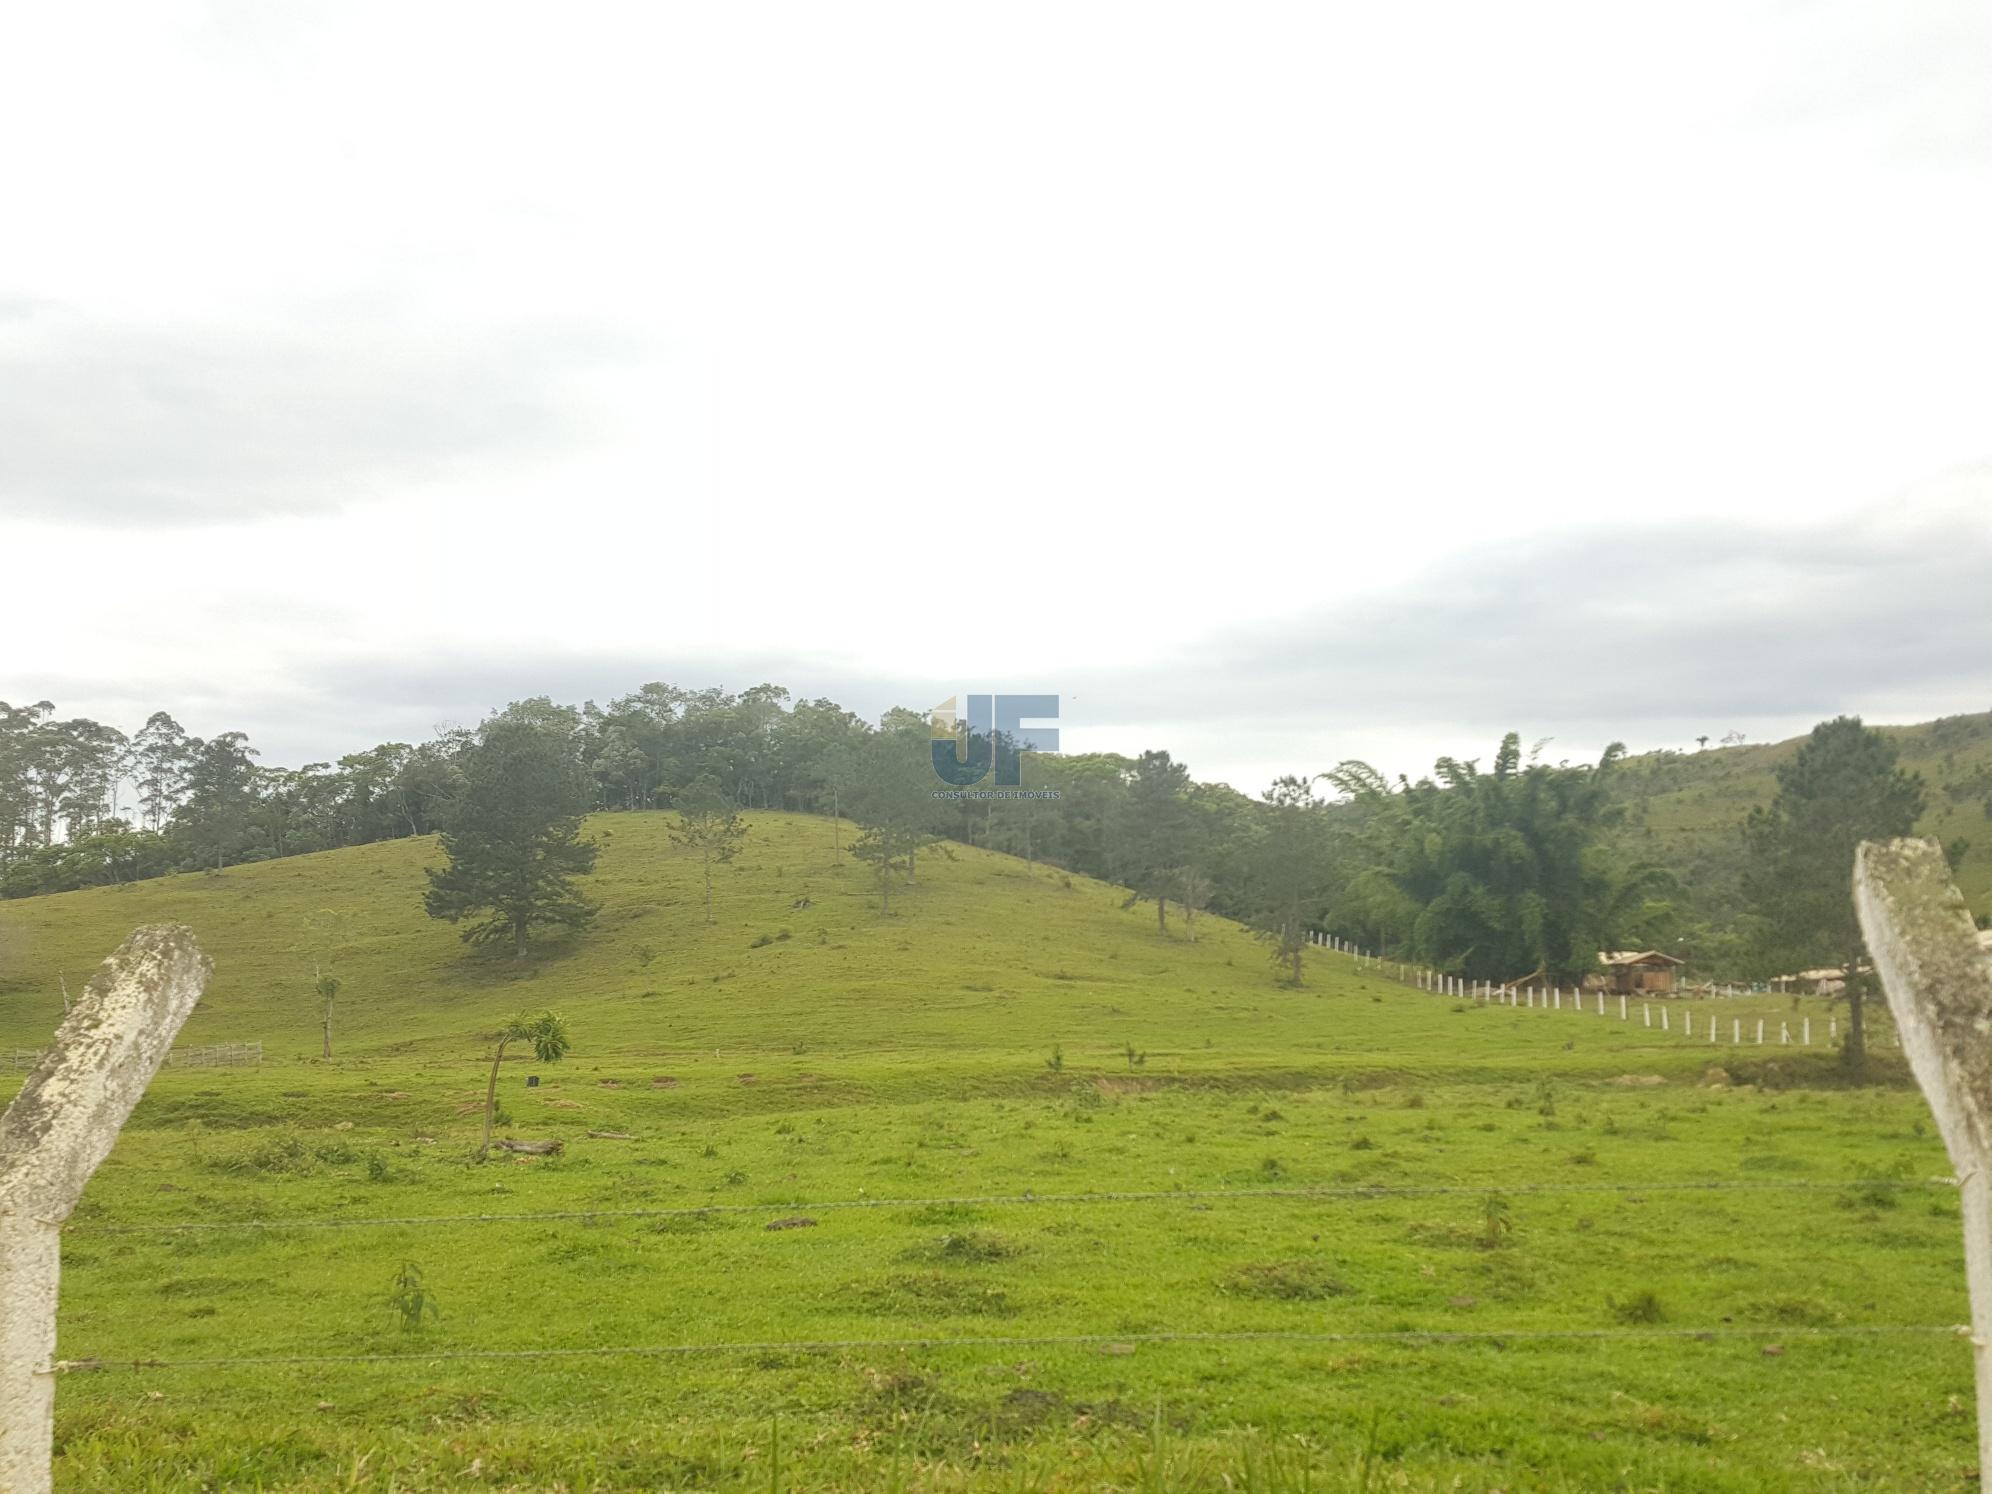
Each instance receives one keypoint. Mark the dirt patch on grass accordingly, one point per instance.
(918, 1294)
(700, 1223)
(1128, 1086)
(965, 1247)
(1284, 1281)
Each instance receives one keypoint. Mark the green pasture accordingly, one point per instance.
(1005, 1191)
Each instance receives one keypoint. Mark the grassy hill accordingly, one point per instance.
(990, 950)
(1687, 809)
(1004, 1191)
(987, 963)
(988, 959)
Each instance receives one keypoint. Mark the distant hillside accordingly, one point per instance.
(1687, 808)
(985, 952)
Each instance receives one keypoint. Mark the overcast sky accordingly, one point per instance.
(1276, 384)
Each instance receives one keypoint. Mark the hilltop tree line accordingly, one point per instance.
(1484, 872)
(82, 804)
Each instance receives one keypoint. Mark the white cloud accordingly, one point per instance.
(957, 347)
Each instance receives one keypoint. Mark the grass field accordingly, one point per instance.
(1085, 1209)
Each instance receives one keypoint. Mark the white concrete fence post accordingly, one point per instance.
(60, 1127)
(1939, 988)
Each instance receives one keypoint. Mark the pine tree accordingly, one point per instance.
(1287, 871)
(709, 823)
(513, 833)
(1842, 787)
(1152, 826)
(886, 783)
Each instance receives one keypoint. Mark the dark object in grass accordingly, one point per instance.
(529, 1148)
(799, 1222)
(1640, 1307)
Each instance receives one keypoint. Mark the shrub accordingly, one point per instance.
(1640, 1307)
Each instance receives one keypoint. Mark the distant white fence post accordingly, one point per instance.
(60, 1127)
(1939, 989)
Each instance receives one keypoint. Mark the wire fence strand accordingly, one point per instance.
(1033, 1340)
(1354, 1192)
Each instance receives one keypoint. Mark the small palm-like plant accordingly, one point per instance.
(326, 988)
(412, 1301)
(548, 1035)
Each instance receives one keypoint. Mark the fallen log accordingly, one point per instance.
(529, 1148)
(611, 1136)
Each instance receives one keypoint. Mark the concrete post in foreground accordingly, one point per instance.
(59, 1128)
(1939, 987)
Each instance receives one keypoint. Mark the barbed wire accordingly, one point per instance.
(1030, 1340)
(1356, 1192)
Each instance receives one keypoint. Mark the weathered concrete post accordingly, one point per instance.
(59, 1128)
(1940, 993)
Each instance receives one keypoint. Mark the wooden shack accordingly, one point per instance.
(1635, 972)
